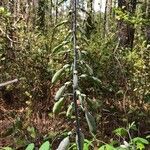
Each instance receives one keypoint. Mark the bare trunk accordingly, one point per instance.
(125, 30)
(148, 25)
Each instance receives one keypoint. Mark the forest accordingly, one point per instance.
(75, 75)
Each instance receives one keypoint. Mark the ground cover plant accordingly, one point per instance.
(111, 79)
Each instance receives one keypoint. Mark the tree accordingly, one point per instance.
(126, 30)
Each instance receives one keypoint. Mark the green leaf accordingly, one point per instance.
(45, 146)
(2, 10)
(140, 146)
(57, 75)
(148, 137)
(91, 122)
(64, 144)
(60, 92)
(59, 46)
(106, 147)
(140, 140)
(120, 132)
(61, 23)
(70, 110)
(89, 69)
(58, 105)
(98, 81)
(6, 148)
(32, 131)
(30, 146)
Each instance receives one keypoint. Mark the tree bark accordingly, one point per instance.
(125, 30)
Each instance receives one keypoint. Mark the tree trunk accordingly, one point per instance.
(148, 25)
(125, 30)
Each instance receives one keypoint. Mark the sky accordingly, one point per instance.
(97, 5)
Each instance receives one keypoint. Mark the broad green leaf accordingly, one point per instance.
(30, 146)
(6, 148)
(60, 92)
(140, 140)
(2, 10)
(57, 75)
(120, 132)
(140, 146)
(58, 105)
(64, 144)
(106, 147)
(45, 146)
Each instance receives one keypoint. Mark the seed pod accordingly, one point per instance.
(81, 141)
(60, 92)
(64, 144)
(57, 75)
(75, 81)
(57, 106)
(91, 122)
(70, 110)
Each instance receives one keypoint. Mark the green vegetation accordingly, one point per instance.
(112, 79)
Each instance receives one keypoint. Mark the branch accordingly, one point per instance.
(8, 82)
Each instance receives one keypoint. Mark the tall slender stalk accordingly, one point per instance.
(75, 71)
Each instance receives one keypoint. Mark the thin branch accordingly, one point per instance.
(8, 82)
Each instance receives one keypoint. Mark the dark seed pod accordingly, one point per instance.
(81, 141)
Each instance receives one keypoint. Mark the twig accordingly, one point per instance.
(8, 82)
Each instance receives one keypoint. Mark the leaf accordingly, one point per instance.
(60, 92)
(70, 110)
(59, 46)
(120, 132)
(45, 146)
(61, 23)
(140, 146)
(83, 76)
(57, 106)
(81, 141)
(90, 70)
(64, 144)
(140, 140)
(6, 148)
(148, 136)
(98, 81)
(106, 147)
(91, 122)
(57, 75)
(2, 10)
(32, 131)
(30, 146)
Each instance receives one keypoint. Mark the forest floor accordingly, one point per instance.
(14, 125)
